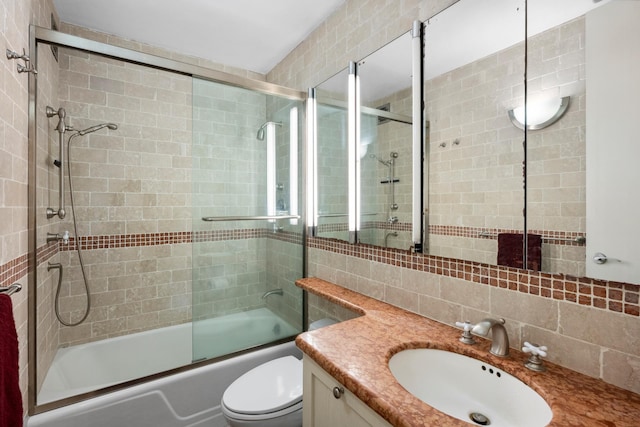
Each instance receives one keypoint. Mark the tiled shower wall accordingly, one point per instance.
(133, 194)
(15, 18)
(135, 180)
(48, 83)
(228, 274)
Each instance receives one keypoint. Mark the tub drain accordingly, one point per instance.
(479, 419)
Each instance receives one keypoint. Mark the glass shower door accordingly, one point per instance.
(247, 241)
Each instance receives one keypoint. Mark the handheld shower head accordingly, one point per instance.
(91, 129)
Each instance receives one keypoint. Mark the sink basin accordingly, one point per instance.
(468, 389)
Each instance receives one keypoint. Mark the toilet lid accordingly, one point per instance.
(269, 387)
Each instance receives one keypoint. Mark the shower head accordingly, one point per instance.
(384, 162)
(260, 134)
(91, 129)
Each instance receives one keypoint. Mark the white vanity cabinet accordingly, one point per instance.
(328, 404)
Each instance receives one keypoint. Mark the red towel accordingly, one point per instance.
(10, 395)
(510, 250)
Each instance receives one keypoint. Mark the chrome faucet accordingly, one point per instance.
(273, 292)
(499, 337)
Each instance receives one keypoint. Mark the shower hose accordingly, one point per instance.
(77, 240)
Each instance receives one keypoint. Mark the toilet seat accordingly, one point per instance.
(270, 390)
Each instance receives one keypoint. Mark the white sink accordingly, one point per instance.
(466, 388)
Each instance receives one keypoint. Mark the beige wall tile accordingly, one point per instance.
(575, 354)
(610, 330)
(622, 370)
(529, 309)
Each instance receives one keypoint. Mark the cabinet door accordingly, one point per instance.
(613, 88)
(322, 409)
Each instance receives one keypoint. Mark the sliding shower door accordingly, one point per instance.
(130, 153)
(247, 241)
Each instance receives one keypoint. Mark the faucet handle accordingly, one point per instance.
(535, 362)
(535, 349)
(466, 337)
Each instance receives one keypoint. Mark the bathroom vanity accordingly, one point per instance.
(328, 404)
(347, 380)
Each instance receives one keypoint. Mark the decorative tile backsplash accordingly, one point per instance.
(606, 295)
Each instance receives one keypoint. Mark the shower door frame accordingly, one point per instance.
(56, 38)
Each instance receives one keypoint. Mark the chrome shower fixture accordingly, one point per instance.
(91, 129)
(260, 134)
(61, 127)
(62, 114)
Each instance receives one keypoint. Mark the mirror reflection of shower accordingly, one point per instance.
(391, 180)
(62, 128)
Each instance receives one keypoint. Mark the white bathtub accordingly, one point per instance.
(186, 399)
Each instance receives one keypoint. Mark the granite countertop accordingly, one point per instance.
(356, 353)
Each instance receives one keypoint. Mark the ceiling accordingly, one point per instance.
(253, 35)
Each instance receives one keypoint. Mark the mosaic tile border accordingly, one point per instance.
(18, 268)
(14, 270)
(380, 225)
(565, 238)
(607, 295)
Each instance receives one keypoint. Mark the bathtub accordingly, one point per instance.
(187, 399)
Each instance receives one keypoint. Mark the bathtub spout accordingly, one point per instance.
(273, 292)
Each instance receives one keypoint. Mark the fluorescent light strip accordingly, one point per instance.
(293, 164)
(417, 129)
(351, 149)
(358, 146)
(311, 173)
(271, 170)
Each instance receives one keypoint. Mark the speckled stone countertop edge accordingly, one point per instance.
(356, 353)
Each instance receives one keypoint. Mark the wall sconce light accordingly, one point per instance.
(539, 114)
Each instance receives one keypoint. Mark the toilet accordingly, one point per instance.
(269, 395)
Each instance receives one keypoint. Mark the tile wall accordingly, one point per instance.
(15, 17)
(133, 181)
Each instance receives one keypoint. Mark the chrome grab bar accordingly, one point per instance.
(248, 218)
(335, 215)
(11, 289)
(581, 240)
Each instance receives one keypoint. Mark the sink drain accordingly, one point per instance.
(479, 419)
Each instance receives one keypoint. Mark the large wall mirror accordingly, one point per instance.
(330, 160)
(386, 145)
(581, 170)
(474, 73)
(368, 152)
(487, 159)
